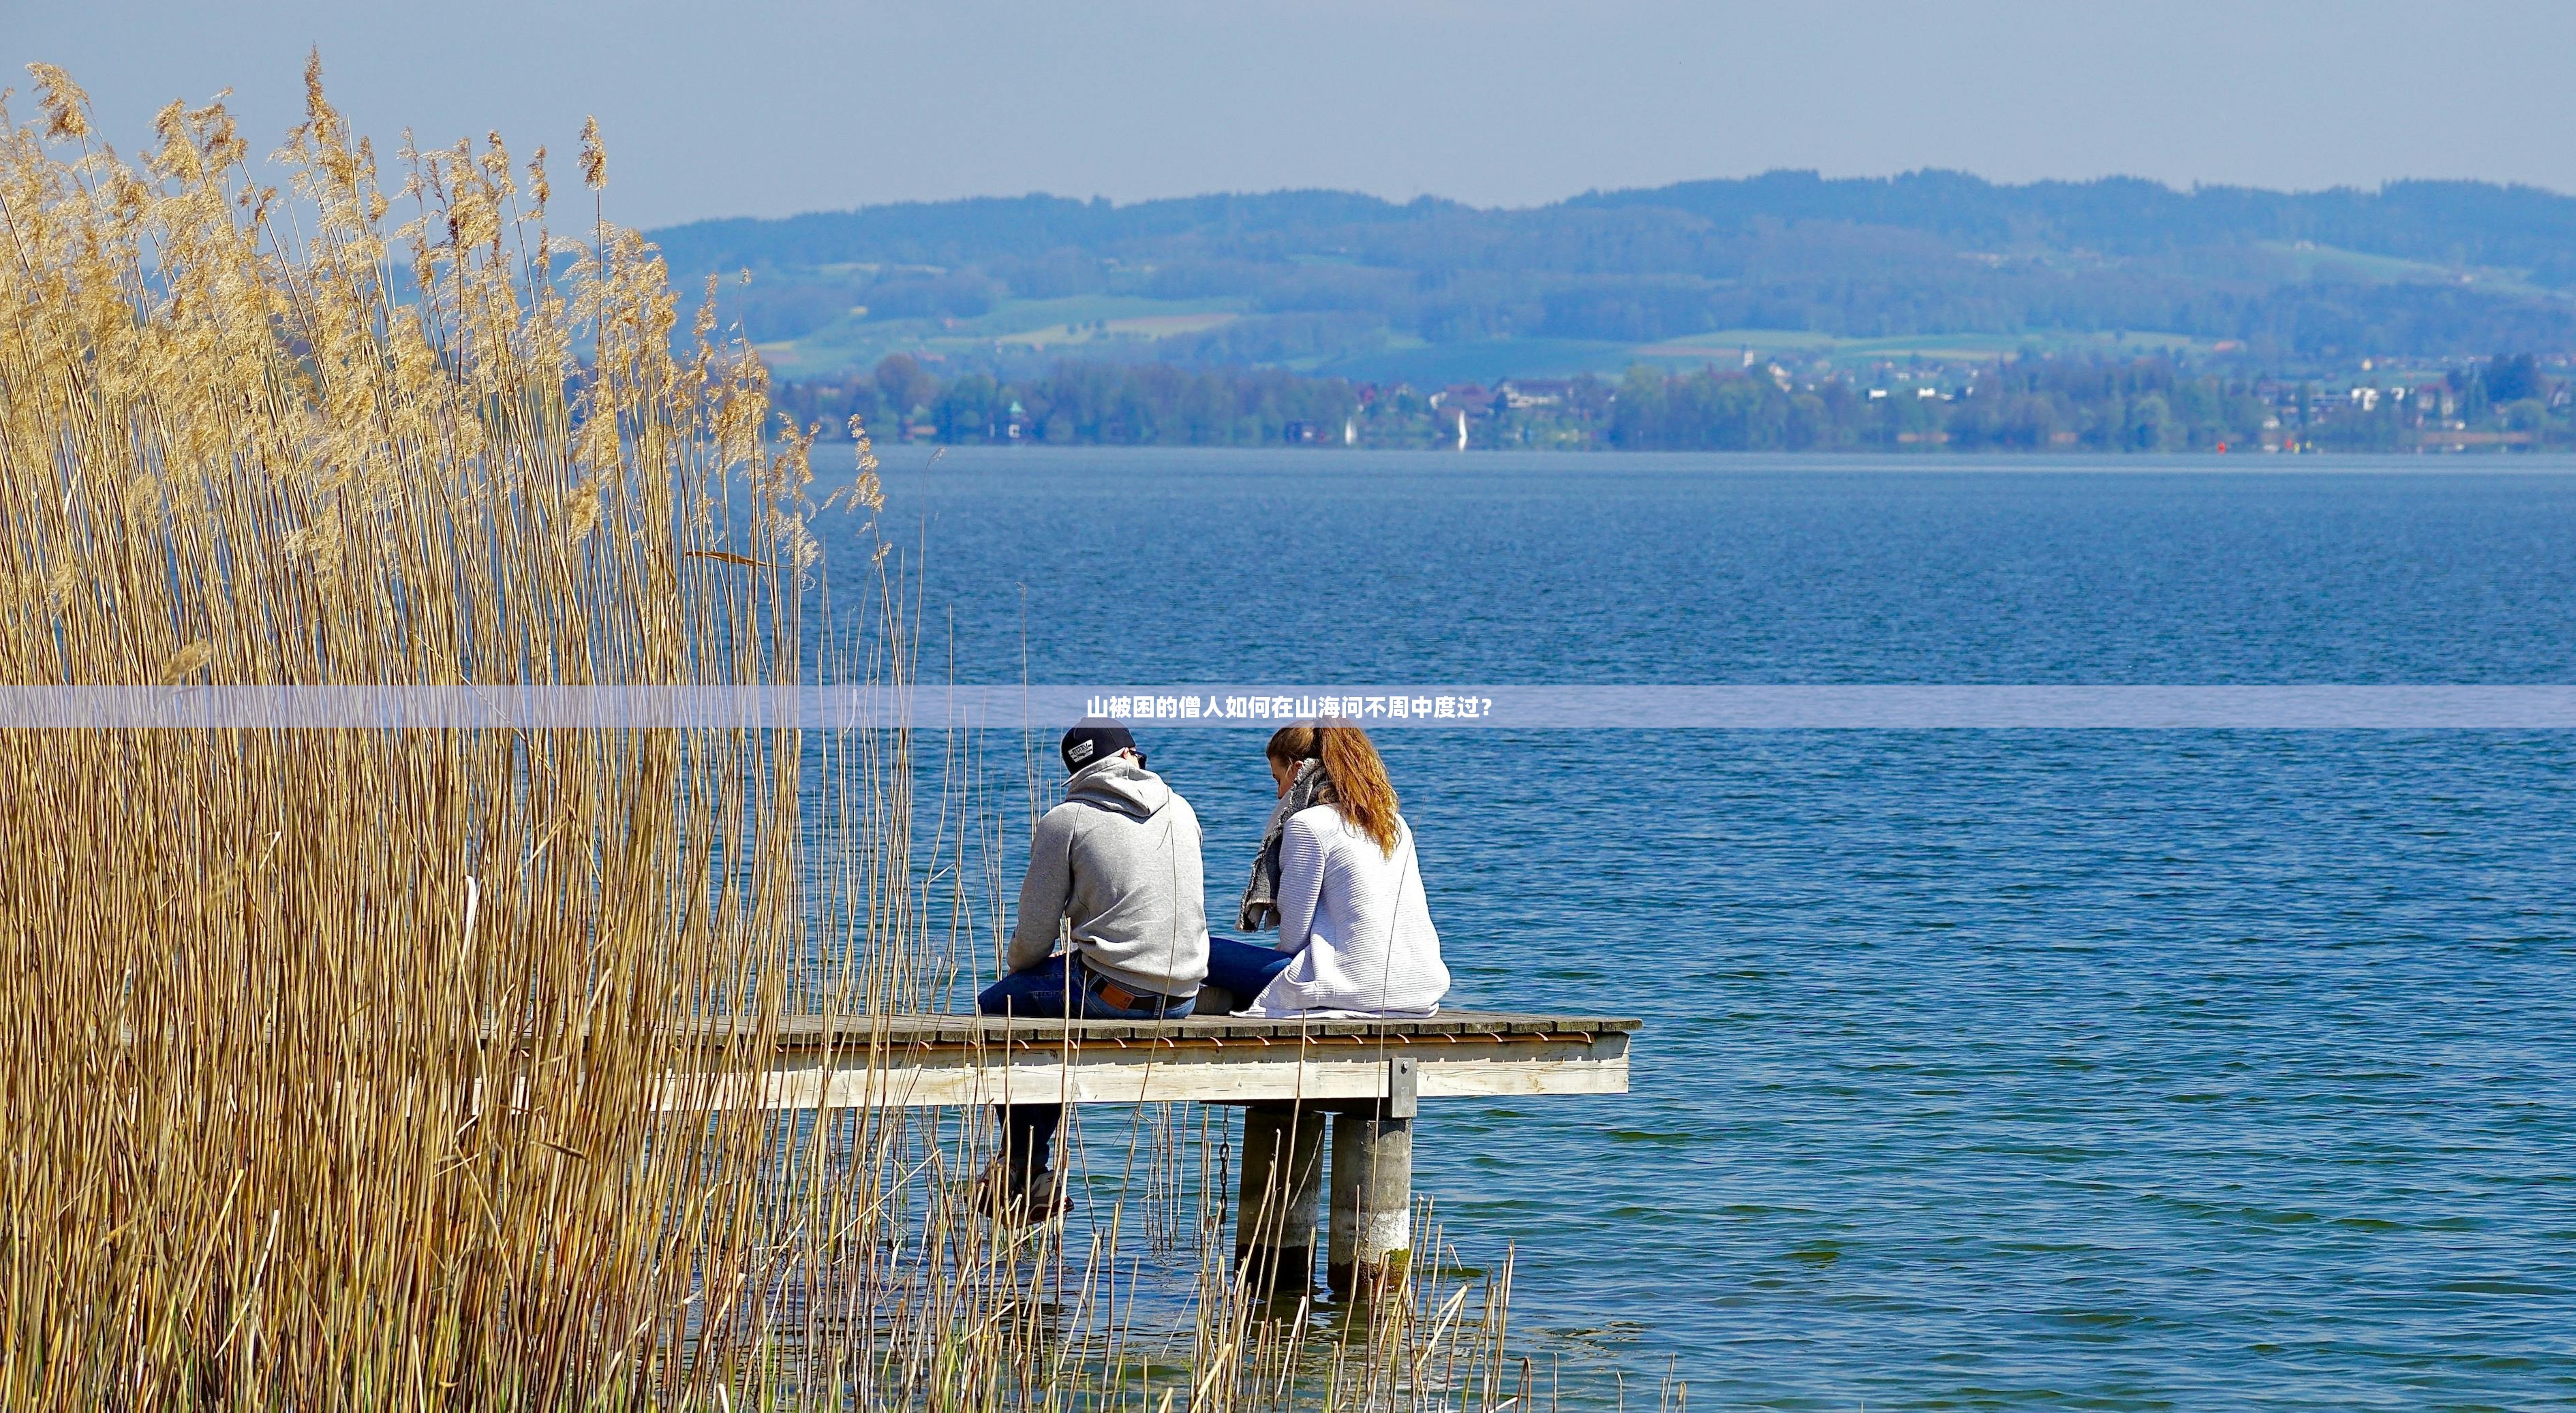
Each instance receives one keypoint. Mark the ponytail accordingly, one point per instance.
(1290, 745)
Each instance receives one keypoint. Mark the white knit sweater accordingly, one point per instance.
(1358, 922)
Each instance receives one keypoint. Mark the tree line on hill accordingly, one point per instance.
(1689, 227)
(2414, 269)
(2138, 405)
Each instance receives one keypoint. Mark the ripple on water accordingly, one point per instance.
(2032, 1068)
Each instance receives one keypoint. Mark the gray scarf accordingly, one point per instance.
(1308, 788)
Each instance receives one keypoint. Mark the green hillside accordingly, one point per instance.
(1931, 265)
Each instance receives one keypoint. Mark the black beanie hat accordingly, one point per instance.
(1092, 739)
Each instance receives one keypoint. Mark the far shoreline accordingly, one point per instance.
(909, 459)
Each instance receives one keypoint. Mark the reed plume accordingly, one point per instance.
(386, 1068)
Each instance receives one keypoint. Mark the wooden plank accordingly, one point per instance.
(794, 1033)
(1166, 1067)
(808, 1032)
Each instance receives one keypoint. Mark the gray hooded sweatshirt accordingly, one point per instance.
(1120, 857)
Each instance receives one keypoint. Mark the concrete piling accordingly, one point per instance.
(1282, 1184)
(1371, 1240)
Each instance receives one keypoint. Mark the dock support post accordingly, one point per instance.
(1372, 1231)
(1371, 1240)
(1281, 1186)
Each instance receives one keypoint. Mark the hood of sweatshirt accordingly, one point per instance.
(1121, 784)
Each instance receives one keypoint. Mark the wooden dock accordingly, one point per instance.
(922, 1061)
(1365, 1077)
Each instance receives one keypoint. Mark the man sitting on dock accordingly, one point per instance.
(1119, 862)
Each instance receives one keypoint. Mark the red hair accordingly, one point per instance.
(1361, 792)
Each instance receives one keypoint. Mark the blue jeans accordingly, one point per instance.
(1244, 967)
(1059, 988)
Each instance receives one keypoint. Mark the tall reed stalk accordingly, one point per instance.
(384, 1069)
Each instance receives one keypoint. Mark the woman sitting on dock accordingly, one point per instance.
(1337, 874)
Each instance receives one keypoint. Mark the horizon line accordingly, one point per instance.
(1431, 199)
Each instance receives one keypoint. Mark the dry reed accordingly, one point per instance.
(339, 1064)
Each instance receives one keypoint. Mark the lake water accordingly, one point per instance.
(2050, 1068)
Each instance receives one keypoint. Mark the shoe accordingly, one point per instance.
(990, 1191)
(1045, 1203)
(994, 1196)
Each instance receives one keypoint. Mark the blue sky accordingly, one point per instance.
(768, 109)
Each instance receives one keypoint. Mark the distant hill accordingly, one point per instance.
(1861, 267)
